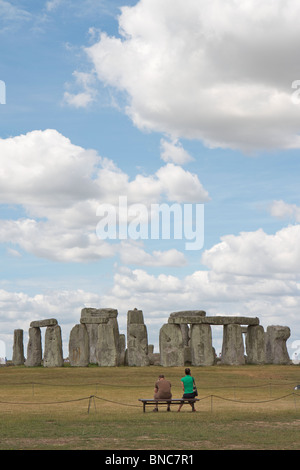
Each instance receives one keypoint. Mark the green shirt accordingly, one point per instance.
(188, 382)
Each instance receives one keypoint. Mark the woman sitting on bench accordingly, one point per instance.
(187, 383)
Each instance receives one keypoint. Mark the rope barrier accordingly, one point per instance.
(93, 397)
(86, 384)
(43, 403)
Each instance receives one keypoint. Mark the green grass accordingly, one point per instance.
(249, 407)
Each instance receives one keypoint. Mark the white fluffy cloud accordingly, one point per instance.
(283, 210)
(212, 70)
(257, 253)
(134, 251)
(60, 185)
(174, 152)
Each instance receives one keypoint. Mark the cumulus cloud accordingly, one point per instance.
(216, 71)
(134, 252)
(174, 152)
(256, 253)
(81, 99)
(283, 210)
(60, 185)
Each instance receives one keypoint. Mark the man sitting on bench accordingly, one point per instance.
(162, 390)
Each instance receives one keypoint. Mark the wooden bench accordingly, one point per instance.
(169, 401)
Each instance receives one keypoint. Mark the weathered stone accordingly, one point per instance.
(92, 331)
(233, 346)
(187, 354)
(185, 333)
(79, 346)
(53, 355)
(122, 348)
(218, 320)
(43, 323)
(92, 318)
(18, 348)
(188, 313)
(255, 345)
(34, 348)
(97, 315)
(276, 350)
(137, 345)
(135, 316)
(171, 345)
(154, 358)
(108, 352)
(137, 339)
(201, 345)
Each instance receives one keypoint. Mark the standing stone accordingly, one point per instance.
(171, 345)
(79, 346)
(154, 358)
(34, 348)
(53, 356)
(137, 339)
(122, 348)
(91, 318)
(233, 346)
(202, 353)
(108, 345)
(185, 330)
(18, 348)
(276, 350)
(255, 345)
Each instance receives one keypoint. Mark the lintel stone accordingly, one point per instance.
(215, 320)
(43, 323)
(188, 313)
(97, 315)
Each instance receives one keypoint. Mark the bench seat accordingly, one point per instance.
(166, 401)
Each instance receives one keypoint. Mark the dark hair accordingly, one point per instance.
(161, 376)
(187, 371)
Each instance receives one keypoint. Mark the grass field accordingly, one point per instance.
(240, 408)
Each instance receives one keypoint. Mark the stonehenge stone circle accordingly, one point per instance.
(186, 339)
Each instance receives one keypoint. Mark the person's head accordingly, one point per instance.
(161, 376)
(187, 371)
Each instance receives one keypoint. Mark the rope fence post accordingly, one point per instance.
(92, 397)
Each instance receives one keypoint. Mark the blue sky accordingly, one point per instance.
(158, 101)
